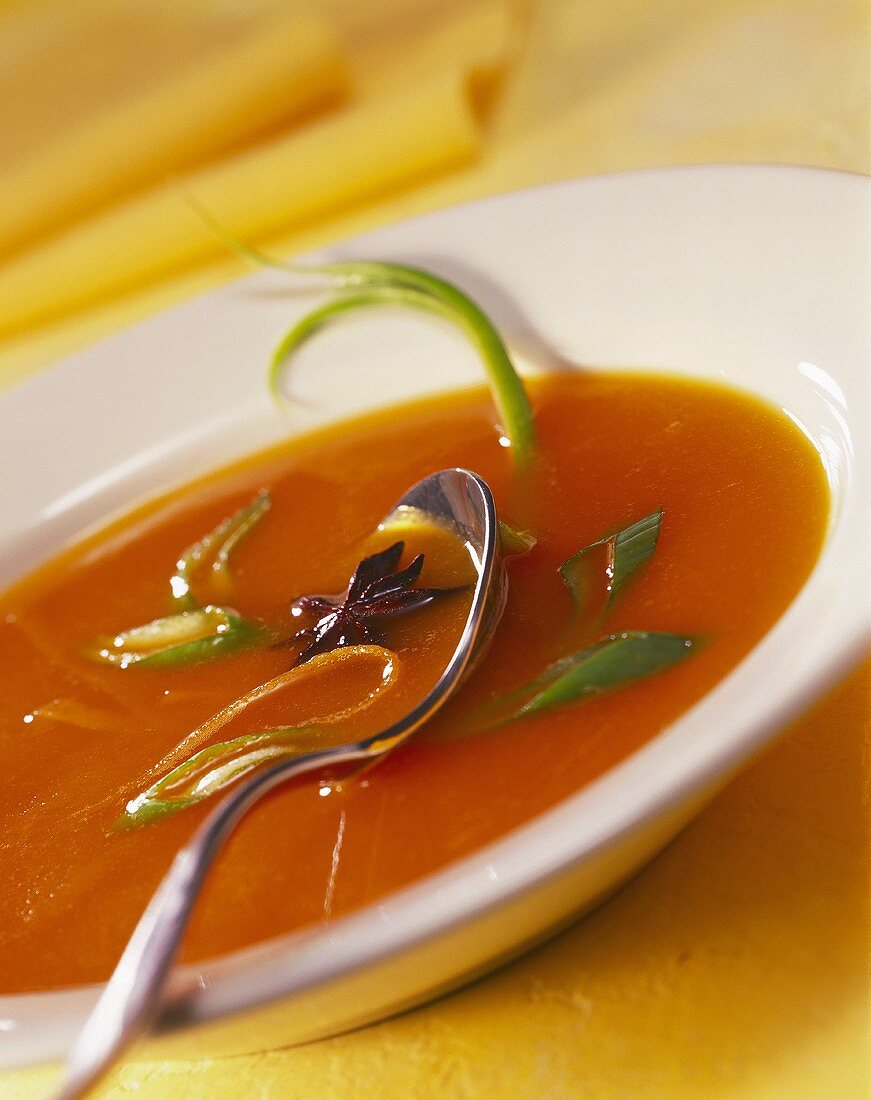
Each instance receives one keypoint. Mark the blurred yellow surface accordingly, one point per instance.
(372, 146)
(736, 965)
(289, 67)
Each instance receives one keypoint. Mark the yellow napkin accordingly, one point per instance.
(369, 148)
(275, 75)
(422, 77)
(412, 113)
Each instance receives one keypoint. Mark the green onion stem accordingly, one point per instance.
(370, 283)
(309, 324)
(449, 301)
(363, 283)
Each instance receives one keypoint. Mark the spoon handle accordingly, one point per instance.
(131, 1000)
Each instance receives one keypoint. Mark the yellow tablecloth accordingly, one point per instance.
(736, 964)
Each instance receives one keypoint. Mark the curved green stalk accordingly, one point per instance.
(363, 283)
(212, 553)
(368, 282)
(188, 637)
(308, 325)
(215, 768)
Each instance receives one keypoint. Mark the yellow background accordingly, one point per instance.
(736, 965)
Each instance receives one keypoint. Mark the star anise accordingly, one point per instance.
(376, 591)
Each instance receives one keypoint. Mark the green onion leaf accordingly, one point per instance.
(186, 638)
(612, 561)
(515, 542)
(207, 562)
(215, 768)
(368, 283)
(361, 283)
(347, 302)
(612, 663)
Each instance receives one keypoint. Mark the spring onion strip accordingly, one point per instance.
(186, 638)
(209, 559)
(515, 542)
(215, 768)
(362, 283)
(611, 663)
(309, 324)
(187, 783)
(398, 284)
(622, 553)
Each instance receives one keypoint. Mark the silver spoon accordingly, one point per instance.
(131, 1000)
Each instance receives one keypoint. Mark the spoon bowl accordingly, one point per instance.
(456, 499)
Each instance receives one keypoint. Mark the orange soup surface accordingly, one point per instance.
(744, 509)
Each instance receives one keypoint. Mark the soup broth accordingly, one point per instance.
(744, 509)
